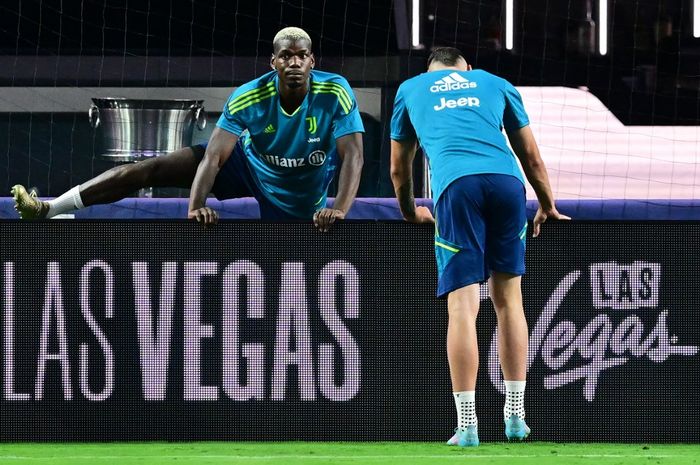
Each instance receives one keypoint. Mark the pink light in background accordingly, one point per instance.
(590, 154)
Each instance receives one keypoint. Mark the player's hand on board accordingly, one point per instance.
(205, 216)
(422, 215)
(325, 217)
(542, 215)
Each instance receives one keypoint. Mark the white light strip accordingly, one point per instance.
(696, 18)
(415, 23)
(509, 24)
(603, 27)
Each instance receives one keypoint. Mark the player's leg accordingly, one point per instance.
(459, 250)
(506, 296)
(505, 255)
(176, 169)
(462, 346)
(463, 358)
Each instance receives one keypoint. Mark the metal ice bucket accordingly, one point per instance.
(135, 129)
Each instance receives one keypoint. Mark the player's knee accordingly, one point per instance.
(151, 172)
(136, 175)
(505, 295)
(507, 306)
(462, 308)
(126, 174)
(499, 300)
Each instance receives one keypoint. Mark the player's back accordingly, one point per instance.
(458, 117)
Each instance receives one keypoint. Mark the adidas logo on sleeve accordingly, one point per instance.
(453, 81)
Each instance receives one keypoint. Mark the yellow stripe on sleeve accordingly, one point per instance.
(250, 95)
(342, 92)
(345, 106)
(257, 98)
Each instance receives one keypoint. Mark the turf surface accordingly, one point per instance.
(318, 453)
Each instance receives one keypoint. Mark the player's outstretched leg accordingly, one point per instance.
(28, 204)
(176, 169)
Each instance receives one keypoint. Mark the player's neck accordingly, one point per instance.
(441, 67)
(292, 98)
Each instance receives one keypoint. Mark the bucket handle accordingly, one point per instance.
(94, 116)
(200, 116)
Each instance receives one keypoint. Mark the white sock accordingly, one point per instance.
(515, 399)
(466, 408)
(65, 203)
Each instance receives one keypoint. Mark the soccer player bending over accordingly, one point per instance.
(457, 115)
(278, 140)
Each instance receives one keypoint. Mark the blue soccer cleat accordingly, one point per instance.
(516, 428)
(465, 437)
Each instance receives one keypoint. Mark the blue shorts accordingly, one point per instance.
(234, 180)
(480, 228)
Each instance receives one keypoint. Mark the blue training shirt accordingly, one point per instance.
(458, 118)
(292, 157)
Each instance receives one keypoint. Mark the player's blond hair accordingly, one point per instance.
(292, 34)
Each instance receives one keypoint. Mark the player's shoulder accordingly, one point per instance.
(266, 82)
(415, 83)
(485, 76)
(324, 77)
(247, 95)
(331, 90)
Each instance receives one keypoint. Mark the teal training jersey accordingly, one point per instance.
(458, 118)
(292, 157)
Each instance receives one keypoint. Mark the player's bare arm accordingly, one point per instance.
(402, 154)
(523, 142)
(218, 151)
(350, 151)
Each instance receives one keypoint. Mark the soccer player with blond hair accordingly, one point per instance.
(279, 139)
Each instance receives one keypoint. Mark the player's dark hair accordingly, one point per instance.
(448, 56)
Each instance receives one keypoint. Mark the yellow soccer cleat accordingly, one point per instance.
(28, 204)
